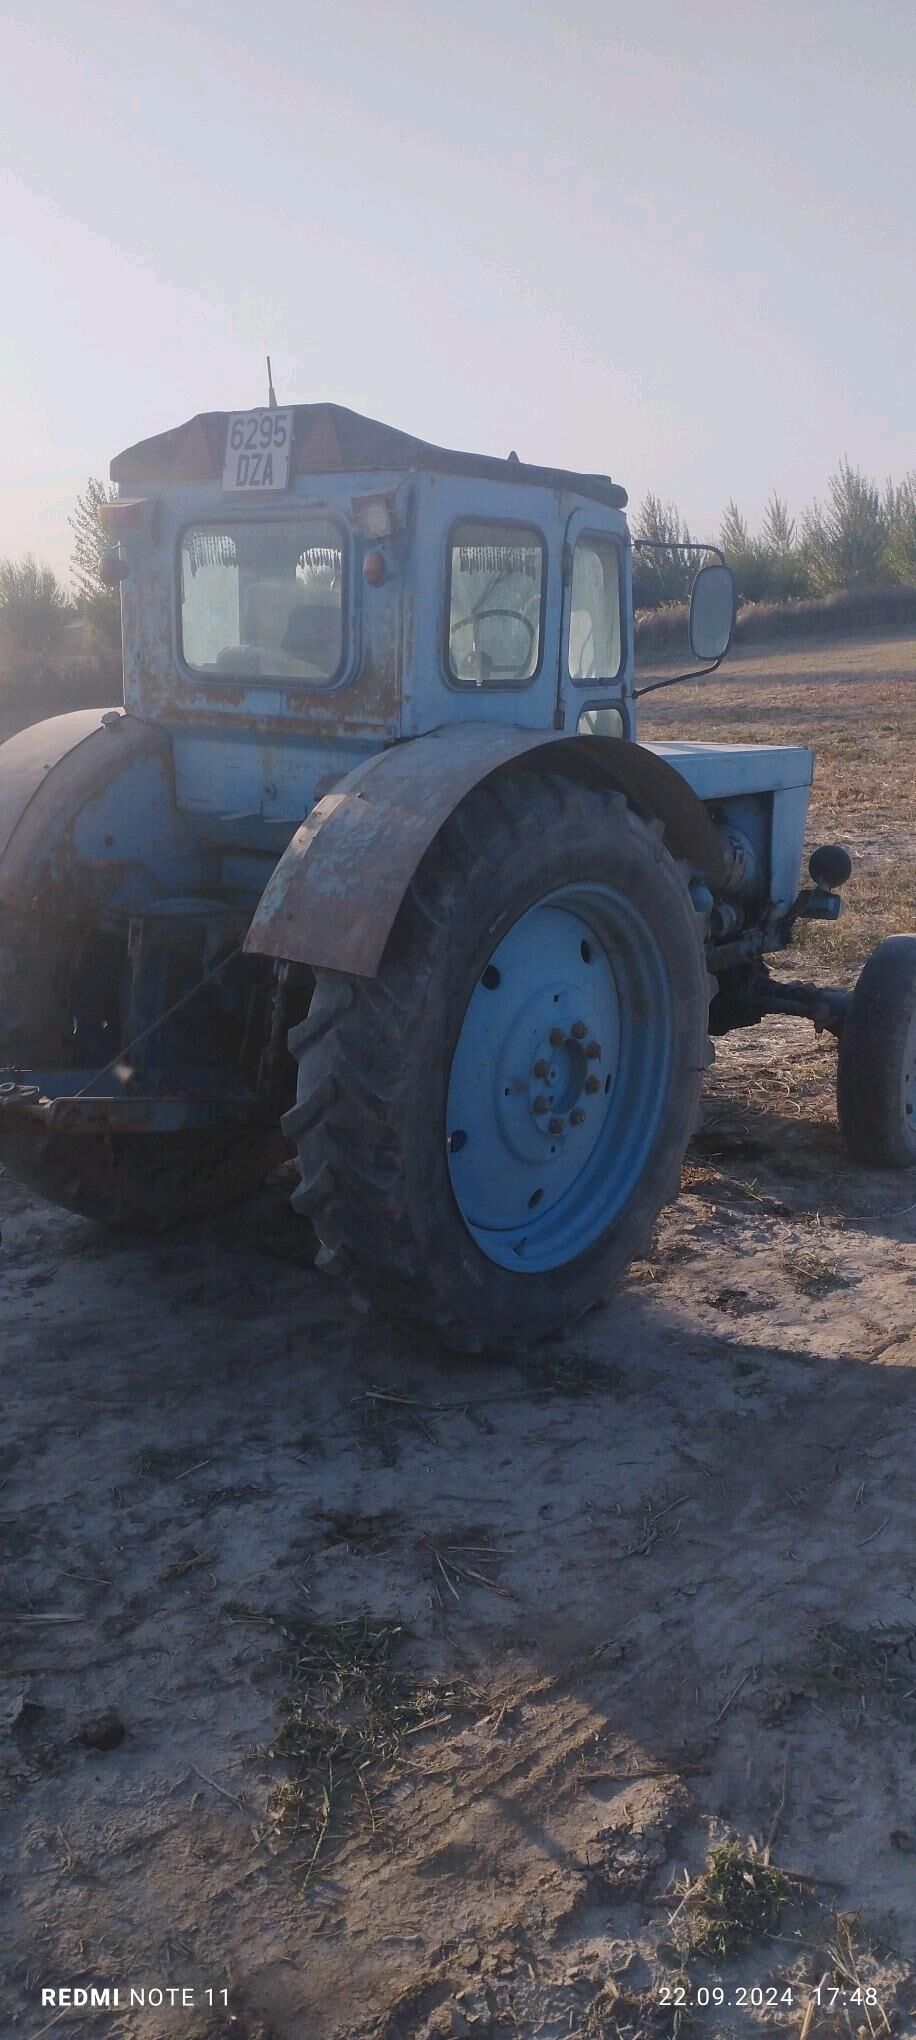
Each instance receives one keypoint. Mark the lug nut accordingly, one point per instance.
(555, 1126)
(593, 1051)
(556, 1036)
(542, 1104)
(592, 1084)
(579, 1030)
(577, 1118)
(542, 1068)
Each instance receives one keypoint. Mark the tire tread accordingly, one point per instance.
(353, 1051)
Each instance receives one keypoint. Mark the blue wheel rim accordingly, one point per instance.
(559, 1078)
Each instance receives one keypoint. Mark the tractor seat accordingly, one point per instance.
(242, 660)
(313, 634)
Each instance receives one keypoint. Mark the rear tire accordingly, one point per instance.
(379, 1062)
(876, 1068)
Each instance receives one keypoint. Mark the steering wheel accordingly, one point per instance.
(480, 616)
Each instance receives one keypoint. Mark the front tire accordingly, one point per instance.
(876, 1067)
(487, 1130)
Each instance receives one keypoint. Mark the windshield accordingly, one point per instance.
(496, 573)
(263, 600)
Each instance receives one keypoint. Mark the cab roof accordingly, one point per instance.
(330, 439)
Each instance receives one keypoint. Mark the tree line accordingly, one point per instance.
(36, 607)
(860, 536)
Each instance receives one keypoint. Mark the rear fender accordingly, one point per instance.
(87, 814)
(334, 896)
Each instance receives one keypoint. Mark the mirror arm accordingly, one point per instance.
(698, 673)
(678, 545)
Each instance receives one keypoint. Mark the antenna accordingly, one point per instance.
(271, 392)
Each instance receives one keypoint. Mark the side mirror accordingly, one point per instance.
(712, 612)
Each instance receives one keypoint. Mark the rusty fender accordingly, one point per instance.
(47, 775)
(334, 896)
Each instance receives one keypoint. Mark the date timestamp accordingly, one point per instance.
(759, 1996)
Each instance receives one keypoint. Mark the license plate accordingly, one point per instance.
(258, 447)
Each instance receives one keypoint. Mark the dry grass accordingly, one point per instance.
(854, 705)
(874, 1664)
(842, 615)
(617, 2013)
(347, 1717)
(858, 1984)
(813, 1273)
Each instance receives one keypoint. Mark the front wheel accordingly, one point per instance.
(487, 1130)
(876, 1068)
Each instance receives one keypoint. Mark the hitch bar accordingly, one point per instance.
(25, 1103)
(823, 1004)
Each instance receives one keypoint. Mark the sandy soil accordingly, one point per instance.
(441, 1682)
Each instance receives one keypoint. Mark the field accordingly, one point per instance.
(401, 1697)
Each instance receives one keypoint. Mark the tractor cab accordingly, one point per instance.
(372, 865)
(313, 568)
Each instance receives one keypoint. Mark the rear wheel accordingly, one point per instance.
(487, 1130)
(876, 1068)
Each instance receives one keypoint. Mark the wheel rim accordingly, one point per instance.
(559, 1078)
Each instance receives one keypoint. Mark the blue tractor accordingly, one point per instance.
(371, 863)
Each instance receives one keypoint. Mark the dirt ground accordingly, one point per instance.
(460, 1698)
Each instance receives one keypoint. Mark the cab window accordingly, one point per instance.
(594, 611)
(600, 722)
(263, 600)
(495, 604)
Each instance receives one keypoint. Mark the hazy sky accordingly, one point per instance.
(675, 243)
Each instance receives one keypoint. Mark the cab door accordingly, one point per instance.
(484, 604)
(594, 677)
